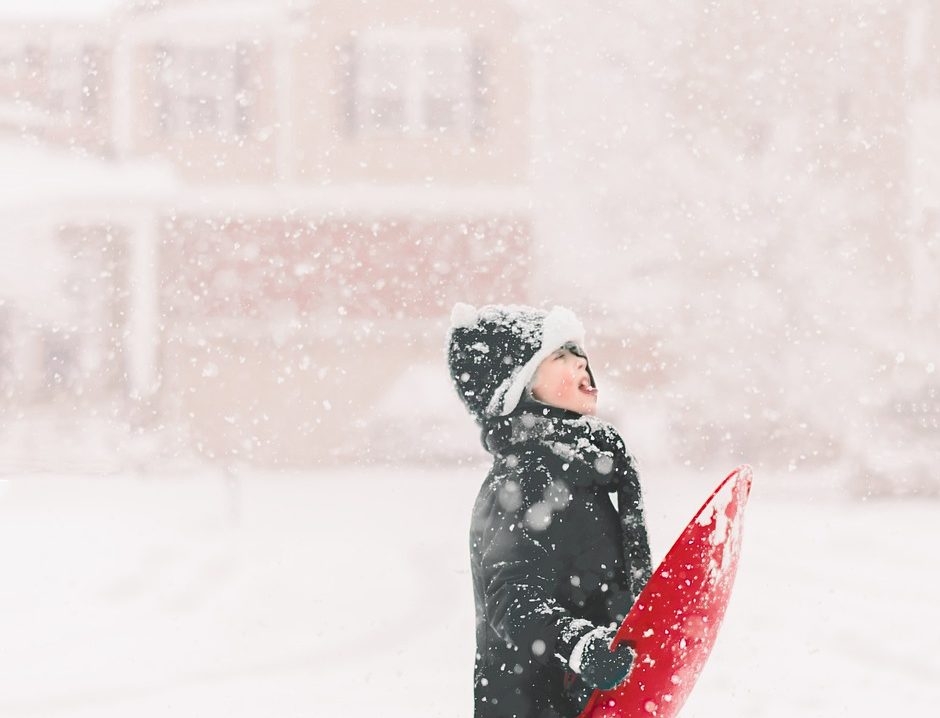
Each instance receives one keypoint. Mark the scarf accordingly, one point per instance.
(597, 456)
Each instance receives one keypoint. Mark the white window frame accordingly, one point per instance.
(413, 46)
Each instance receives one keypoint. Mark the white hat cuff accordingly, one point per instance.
(560, 326)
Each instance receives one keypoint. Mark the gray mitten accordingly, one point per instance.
(599, 666)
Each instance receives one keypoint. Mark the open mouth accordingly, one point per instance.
(586, 388)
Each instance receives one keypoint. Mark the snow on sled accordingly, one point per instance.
(675, 620)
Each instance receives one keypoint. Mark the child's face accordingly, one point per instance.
(562, 380)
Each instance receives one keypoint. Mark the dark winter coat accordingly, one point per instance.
(551, 556)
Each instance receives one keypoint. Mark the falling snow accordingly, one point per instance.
(237, 235)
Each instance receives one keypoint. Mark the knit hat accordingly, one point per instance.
(494, 352)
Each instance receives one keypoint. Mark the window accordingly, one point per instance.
(382, 92)
(204, 89)
(73, 84)
(12, 57)
(447, 87)
(414, 82)
(60, 363)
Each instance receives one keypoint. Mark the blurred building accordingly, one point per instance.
(327, 178)
(239, 227)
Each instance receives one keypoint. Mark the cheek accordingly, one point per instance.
(557, 380)
(570, 373)
(564, 380)
(552, 381)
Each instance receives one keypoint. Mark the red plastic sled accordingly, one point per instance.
(676, 617)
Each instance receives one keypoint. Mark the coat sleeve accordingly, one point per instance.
(520, 571)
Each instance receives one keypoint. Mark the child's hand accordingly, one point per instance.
(598, 665)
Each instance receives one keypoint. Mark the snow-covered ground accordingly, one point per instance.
(347, 592)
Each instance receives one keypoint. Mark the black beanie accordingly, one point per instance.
(494, 351)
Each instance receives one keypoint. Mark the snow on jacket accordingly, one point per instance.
(551, 556)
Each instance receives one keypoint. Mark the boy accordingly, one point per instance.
(555, 566)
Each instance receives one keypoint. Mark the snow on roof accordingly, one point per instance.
(38, 184)
(35, 175)
(57, 9)
(221, 9)
(211, 19)
(188, 19)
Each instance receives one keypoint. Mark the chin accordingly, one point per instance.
(589, 407)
